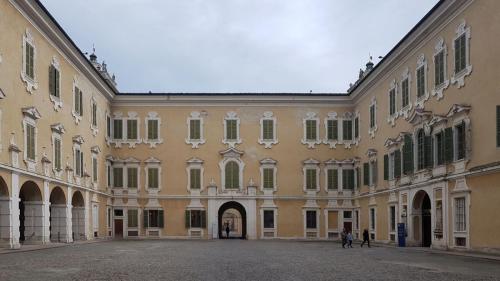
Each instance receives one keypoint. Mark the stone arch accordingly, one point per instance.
(77, 199)
(4, 189)
(57, 196)
(30, 212)
(421, 213)
(4, 212)
(58, 215)
(78, 216)
(238, 207)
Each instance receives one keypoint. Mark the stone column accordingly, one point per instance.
(87, 216)
(46, 213)
(212, 215)
(14, 212)
(252, 211)
(69, 216)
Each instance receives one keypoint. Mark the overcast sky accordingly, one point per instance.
(237, 45)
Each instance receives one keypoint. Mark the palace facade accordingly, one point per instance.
(416, 140)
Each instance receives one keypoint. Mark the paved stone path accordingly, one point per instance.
(239, 260)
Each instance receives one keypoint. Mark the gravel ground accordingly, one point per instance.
(239, 260)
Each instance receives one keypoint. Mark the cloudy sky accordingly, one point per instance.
(237, 45)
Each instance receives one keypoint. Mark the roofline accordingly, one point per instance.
(388, 55)
(236, 94)
(54, 21)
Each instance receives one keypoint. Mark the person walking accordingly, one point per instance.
(349, 240)
(343, 236)
(227, 231)
(366, 238)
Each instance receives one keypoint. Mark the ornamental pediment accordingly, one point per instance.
(152, 160)
(58, 128)
(311, 161)
(419, 115)
(231, 153)
(268, 161)
(437, 119)
(194, 160)
(31, 112)
(95, 149)
(458, 108)
(371, 152)
(78, 139)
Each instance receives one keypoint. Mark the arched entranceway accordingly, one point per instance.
(58, 215)
(30, 213)
(422, 226)
(4, 212)
(232, 214)
(78, 216)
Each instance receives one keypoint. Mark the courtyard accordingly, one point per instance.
(239, 260)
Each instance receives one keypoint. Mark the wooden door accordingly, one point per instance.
(118, 228)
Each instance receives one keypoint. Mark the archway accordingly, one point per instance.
(4, 212)
(78, 216)
(232, 214)
(58, 215)
(30, 212)
(422, 225)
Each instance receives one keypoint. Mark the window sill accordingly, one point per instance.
(311, 143)
(438, 89)
(459, 77)
(153, 143)
(406, 110)
(195, 143)
(56, 101)
(31, 83)
(268, 143)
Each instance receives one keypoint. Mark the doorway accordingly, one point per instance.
(118, 228)
(232, 216)
(422, 221)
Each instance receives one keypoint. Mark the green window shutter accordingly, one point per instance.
(311, 130)
(332, 129)
(57, 150)
(347, 129)
(448, 144)
(356, 127)
(117, 129)
(153, 129)
(81, 103)
(498, 125)
(76, 99)
(310, 179)
(160, 219)
(203, 219)
(408, 155)
(131, 129)
(366, 174)
(145, 218)
(333, 181)
(397, 164)
(81, 164)
(195, 178)
(386, 167)
(56, 82)
(374, 173)
(52, 86)
(187, 217)
(194, 129)
(232, 175)
(108, 126)
(268, 129)
(358, 177)
(428, 152)
(94, 169)
(460, 129)
(231, 129)
(268, 178)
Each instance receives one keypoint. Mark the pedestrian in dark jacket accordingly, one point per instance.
(366, 238)
(343, 236)
(227, 230)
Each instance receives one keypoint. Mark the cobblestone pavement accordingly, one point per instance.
(239, 260)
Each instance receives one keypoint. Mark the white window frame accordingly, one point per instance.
(231, 115)
(306, 230)
(461, 190)
(94, 128)
(153, 163)
(118, 142)
(134, 163)
(459, 78)
(340, 127)
(268, 163)
(117, 163)
(331, 116)
(95, 150)
(31, 115)
(310, 164)
(310, 143)
(194, 163)
(273, 230)
(231, 154)
(421, 62)
(76, 116)
(132, 143)
(332, 164)
(57, 132)
(195, 143)
(438, 90)
(31, 84)
(77, 145)
(372, 130)
(391, 118)
(389, 230)
(372, 229)
(109, 129)
(405, 111)
(57, 101)
(268, 115)
(152, 116)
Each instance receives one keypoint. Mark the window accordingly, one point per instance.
(372, 219)
(78, 162)
(54, 83)
(348, 179)
(421, 82)
(268, 174)
(332, 129)
(133, 218)
(405, 93)
(153, 125)
(30, 142)
(232, 172)
(108, 172)
(29, 59)
(498, 125)
(57, 154)
(94, 168)
(108, 126)
(392, 102)
(132, 129)
(153, 218)
(132, 177)
(195, 178)
(460, 214)
(268, 219)
(439, 139)
(231, 129)
(448, 145)
(153, 177)
(439, 68)
(392, 218)
(420, 149)
(196, 219)
(311, 219)
(194, 129)
(347, 130)
(460, 53)
(117, 129)
(94, 114)
(78, 101)
(118, 213)
(311, 179)
(311, 126)
(460, 141)
(332, 179)
(118, 177)
(372, 116)
(356, 127)
(268, 129)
